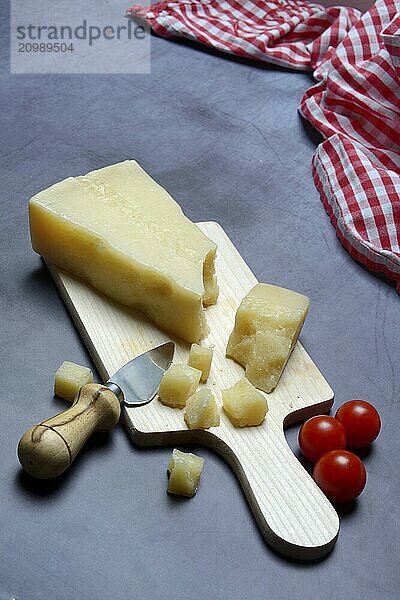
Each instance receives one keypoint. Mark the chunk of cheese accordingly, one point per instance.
(267, 325)
(244, 405)
(184, 470)
(69, 379)
(124, 234)
(200, 357)
(177, 384)
(201, 410)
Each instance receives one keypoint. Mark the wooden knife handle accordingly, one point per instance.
(47, 449)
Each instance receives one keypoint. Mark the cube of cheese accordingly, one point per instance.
(200, 357)
(244, 405)
(177, 384)
(69, 379)
(267, 325)
(184, 470)
(126, 236)
(201, 410)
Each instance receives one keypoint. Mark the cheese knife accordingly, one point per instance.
(46, 450)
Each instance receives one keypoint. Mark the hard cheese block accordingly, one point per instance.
(184, 470)
(267, 325)
(202, 410)
(244, 405)
(69, 379)
(200, 357)
(124, 234)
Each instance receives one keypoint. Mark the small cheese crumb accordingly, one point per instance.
(202, 410)
(244, 405)
(69, 379)
(184, 470)
(200, 357)
(177, 384)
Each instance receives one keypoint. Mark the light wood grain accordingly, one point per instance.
(46, 450)
(292, 513)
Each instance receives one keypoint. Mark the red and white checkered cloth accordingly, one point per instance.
(355, 103)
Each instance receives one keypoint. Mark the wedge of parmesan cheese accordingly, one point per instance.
(267, 325)
(120, 231)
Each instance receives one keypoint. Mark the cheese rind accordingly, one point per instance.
(177, 384)
(184, 470)
(124, 234)
(201, 410)
(244, 404)
(69, 379)
(267, 325)
(200, 357)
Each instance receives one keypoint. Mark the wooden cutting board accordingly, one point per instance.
(293, 514)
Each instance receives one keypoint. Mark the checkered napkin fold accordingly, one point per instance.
(355, 103)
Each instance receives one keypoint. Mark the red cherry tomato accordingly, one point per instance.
(341, 475)
(361, 421)
(320, 434)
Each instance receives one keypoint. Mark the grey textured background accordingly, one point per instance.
(225, 139)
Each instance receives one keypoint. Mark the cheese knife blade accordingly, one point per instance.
(136, 383)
